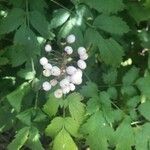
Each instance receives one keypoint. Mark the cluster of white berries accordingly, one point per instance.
(65, 76)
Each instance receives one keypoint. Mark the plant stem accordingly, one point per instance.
(27, 13)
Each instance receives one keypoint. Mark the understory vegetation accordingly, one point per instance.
(110, 110)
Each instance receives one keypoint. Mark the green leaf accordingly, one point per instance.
(33, 140)
(92, 105)
(144, 109)
(130, 76)
(110, 77)
(89, 90)
(144, 38)
(71, 126)
(58, 123)
(16, 55)
(51, 106)
(25, 37)
(113, 93)
(39, 5)
(110, 49)
(3, 61)
(76, 107)
(25, 117)
(124, 136)
(143, 85)
(111, 24)
(63, 141)
(55, 127)
(14, 19)
(147, 3)
(40, 23)
(20, 139)
(96, 126)
(40, 116)
(26, 74)
(6, 124)
(60, 16)
(142, 137)
(139, 12)
(15, 97)
(105, 6)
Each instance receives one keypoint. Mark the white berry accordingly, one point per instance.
(68, 50)
(47, 66)
(47, 73)
(79, 72)
(58, 93)
(71, 39)
(84, 56)
(48, 48)
(72, 86)
(64, 82)
(71, 70)
(81, 50)
(53, 82)
(81, 64)
(66, 89)
(55, 71)
(76, 79)
(46, 86)
(43, 61)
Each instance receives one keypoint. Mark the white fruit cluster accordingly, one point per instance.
(65, 77)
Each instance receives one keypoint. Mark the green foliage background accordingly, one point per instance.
(111, 110)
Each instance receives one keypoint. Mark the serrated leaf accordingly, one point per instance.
(51, 106)
(96, 126)
(89, 90)
(128, 90)
(105, 6)
(25, 117)
(25, 37)
(111, 24)
(133, 102)
(139, 12)
(40, 116)
(14, 19)
(6, 124)
(130, 76)
(55, 127)
(113, 93)
(142, 137)
(110, 49)
(39, 5)
(40, 23)
(71, 126)
(92, 105)
(110, 77)
(26, 74)
(76, 107)
(144, 109)
(15, 97)
(63, 141)
(60, 16)
(124, 136)
(16, 55)
(33, 140)
(143, 85)
(58, 123)
(20, 139)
